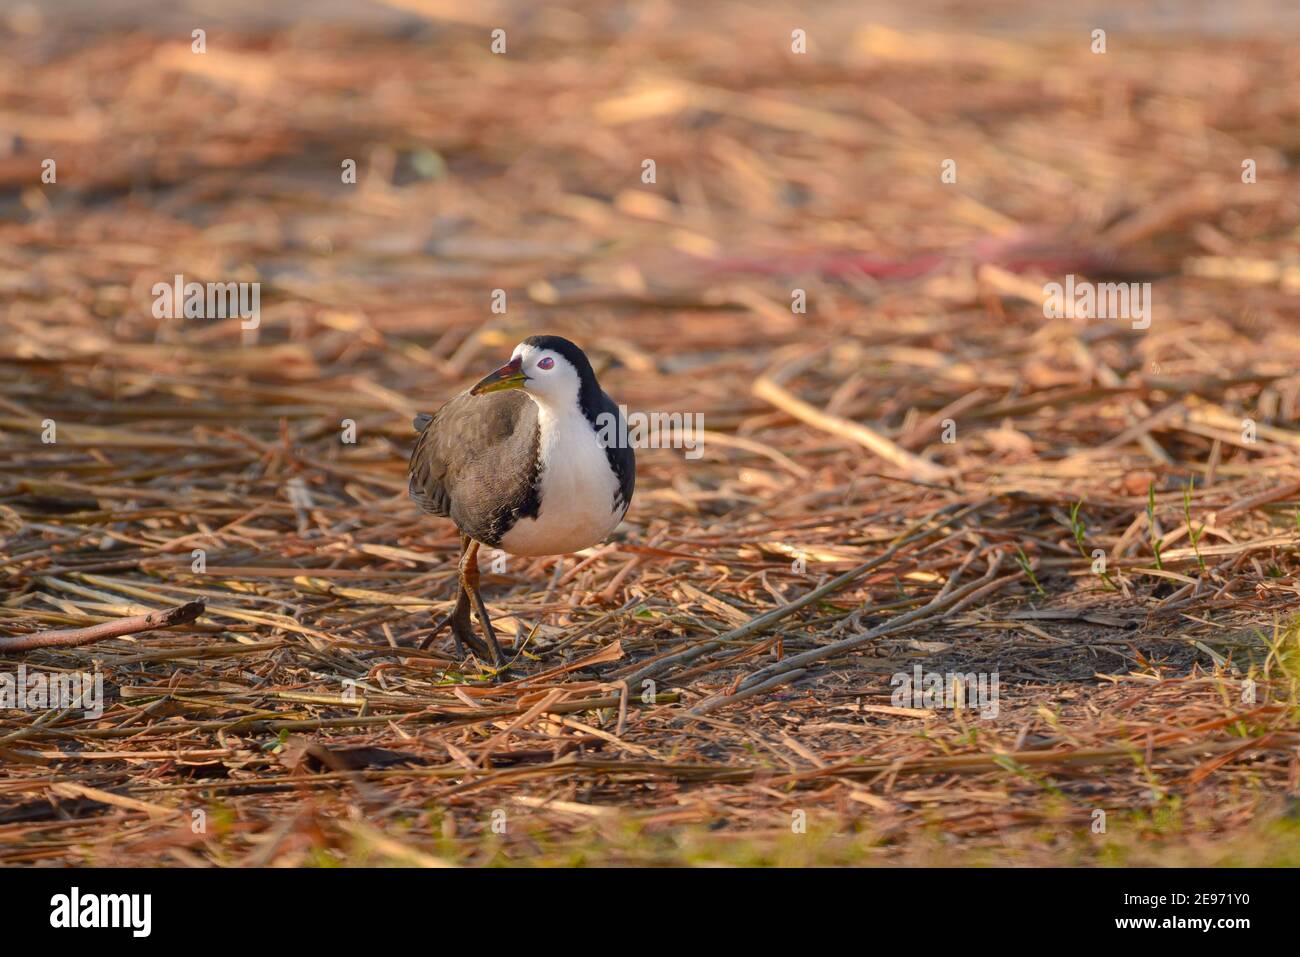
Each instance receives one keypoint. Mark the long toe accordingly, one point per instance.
(485, 622)
(438, 626)
(463, 632)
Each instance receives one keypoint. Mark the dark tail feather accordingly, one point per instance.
(421, 420)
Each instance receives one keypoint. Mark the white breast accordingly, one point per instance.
(577, 489)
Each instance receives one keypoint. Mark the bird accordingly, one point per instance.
(532, 460)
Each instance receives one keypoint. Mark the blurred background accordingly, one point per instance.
(918, 172)
(523, 170)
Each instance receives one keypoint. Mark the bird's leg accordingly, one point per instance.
(462, 631)
(469, 582)
(466, 636)
(461, 627)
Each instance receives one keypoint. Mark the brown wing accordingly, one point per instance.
(472, 461)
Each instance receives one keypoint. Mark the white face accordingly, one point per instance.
(551, 377)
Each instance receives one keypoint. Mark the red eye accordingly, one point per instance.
(546, 362)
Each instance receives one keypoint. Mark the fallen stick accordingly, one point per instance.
(916, 468)
(1267, 497)
(71, 637)
(915, 533)
(948, 602)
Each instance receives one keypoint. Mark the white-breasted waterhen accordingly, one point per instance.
(529, 460)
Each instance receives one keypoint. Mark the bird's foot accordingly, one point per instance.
(437, 628)
(462, 631)
(498, 656)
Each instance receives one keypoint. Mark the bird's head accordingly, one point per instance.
(552, 370)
